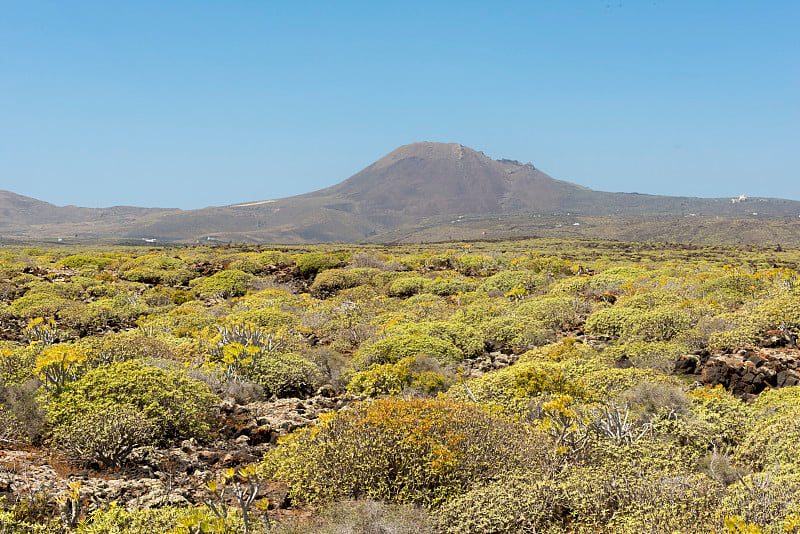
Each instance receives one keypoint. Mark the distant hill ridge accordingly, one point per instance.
(421, 191)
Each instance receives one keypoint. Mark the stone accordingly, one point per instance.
(326, 390)
(228, 405)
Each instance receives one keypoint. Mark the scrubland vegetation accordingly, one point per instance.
(525, 386)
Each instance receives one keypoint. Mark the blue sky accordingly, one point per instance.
(189, 104)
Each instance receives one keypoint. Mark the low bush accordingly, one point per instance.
(449, 286)
(468, 340)
(116, 519)
(629, 489)
(402, 451)
(574, 286)
(17, 364)
(734, 289)
(331, 281)
(107, 434)
(77, 261)
(554, 312)
(512, 388)
(418, 374)
(771, 444)
(612, 321)
(660, 324)
(174, 406)
(394, 348)
(267, 318)
(22, 418)
(33, 305)
(126, 346)
(607, 383)
(286, 375)
(312, 263)
(224, 284)
(407, 286)
(726, 420)
(507, 281)
(516, 332)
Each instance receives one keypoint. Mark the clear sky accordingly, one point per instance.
(195, 103)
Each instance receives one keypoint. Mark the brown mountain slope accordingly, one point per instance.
(19, 211)
(425, 179)
(433, 179)
(422, 191)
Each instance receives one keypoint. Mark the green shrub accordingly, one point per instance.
(449, 286)
(77, 261)
(394, 348)
(173, 405)
(507, 281)
(732, 339)
(126, 346)
(331, 281)
(726, 419)
(483, 309)
(644, 487)
(148, 275)
(516, 503)
(465, 338)
(783, 400)
(574, 286)
(383, 279)
(408, 286)
(179, 322)
(420, 451)
(270, 298)
(12, 525)
(393, 378)
(661, 324)
(268, 318)
(476, 264)
(107, 434)
(647, 486)
(81, 319)
(612, 321)
(274, 258)
(362, 517)
(424, 300)
(514, 331)
(22, 418)
(156, 269)
(116, 519)
(733, 290)
(548, 264)
(224, 284)
(312, 263)
(765, 500)
(554, 312)
(512, 388)
(781, 313)
(771, 444)
(604, 384)
(613, 281)
(658, 355)
(17, 363)
(648, 299)
(248, 265)
(286, 375)
(33, 305)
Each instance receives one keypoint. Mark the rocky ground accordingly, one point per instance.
(178, 475)
(774, 363)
